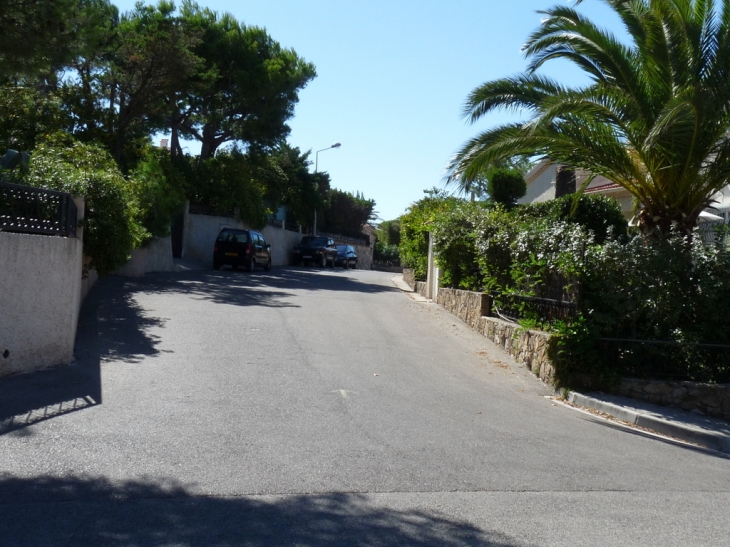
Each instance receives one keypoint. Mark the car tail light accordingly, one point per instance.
(249, 248)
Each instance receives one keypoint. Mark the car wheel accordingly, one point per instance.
(252, 265)
(344, 264)
(268, 265)
(323, 262)
(354, 266)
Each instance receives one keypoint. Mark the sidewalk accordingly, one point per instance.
(673, 422)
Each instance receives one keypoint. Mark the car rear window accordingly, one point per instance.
(233, 236)
(314, 241)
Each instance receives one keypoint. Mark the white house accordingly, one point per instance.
(541, 187)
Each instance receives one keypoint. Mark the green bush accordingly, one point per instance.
(600, 214)
(416, 225)
(110, 227)
(158, 189)
(454, 240)
(387, 254)
(506, 186)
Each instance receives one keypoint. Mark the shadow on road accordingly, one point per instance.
(86, 511)
(113, 326)
(271, 289)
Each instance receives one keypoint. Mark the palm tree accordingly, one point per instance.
(654, 117)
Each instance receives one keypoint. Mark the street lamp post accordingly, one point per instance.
(316, 164)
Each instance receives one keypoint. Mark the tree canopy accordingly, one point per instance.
(654, 118)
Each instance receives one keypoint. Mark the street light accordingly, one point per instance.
(316, 164)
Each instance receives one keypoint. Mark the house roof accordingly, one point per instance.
(602, 188)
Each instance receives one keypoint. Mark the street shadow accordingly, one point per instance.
(111, 326)
(270, 289)
(94, 511)
(114, 327)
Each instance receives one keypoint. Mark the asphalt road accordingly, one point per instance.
(320, 407)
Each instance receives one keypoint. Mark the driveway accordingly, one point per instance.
(322, 407)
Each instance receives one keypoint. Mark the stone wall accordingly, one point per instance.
(708, 399)
(528, 347)
(409, 276)
(421, 288)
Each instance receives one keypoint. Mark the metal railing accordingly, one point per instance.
(660, 360)
(543, 310)
(31, 210)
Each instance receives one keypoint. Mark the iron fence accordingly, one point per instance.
(542, 310)
(666, 360)
(31, 210)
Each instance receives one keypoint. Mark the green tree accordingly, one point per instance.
(388, 232)
(416, 224)
(506, 186)
(303, 191)
(246, 90)
(346, 213)
(152, 62)
(654, 118)
(38, 36)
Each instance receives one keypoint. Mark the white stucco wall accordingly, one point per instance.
(40, 295)
(200, 233)
(156, 257)
(201, 230)
(540, 184)
(282, 243)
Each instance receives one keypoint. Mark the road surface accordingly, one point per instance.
(322, 407)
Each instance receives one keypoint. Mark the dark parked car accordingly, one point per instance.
(318, 249)
(246, 248)
(346, 256)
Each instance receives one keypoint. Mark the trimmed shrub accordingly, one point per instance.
(506, 186)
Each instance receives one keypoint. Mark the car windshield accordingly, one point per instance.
(314, 241)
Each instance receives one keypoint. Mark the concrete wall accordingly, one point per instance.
(201, 230)
(40, 295)
(282, 244)
(156, 257)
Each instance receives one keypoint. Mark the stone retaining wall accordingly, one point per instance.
(409, 276)
(421, 288)
(708, 399)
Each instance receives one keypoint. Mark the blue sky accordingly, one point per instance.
(392, 79)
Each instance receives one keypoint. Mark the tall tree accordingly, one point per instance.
(38, 36)
(154, 60)
(247, 89)
(654, 118)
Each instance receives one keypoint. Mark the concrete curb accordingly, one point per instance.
(684, 432)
